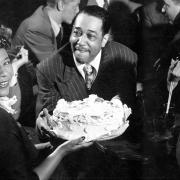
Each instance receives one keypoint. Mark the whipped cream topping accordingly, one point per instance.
(93, 117)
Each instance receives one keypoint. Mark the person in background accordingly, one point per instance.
(41, 34)
(39, 31)
(169, 67)
(6, 32)
(171, 9)
(153, 35)
(144, 30)
(18, 155)
(100, 3)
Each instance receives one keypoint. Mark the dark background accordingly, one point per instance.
(12, 12)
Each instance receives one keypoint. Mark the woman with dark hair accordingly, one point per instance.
(18, 156)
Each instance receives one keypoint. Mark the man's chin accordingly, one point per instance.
(81, 59)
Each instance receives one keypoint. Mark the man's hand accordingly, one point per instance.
(20, 59)
(173, 73)
(44, 124)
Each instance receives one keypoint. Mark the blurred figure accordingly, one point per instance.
(6, 32)
(152, 37)
(146, 31)
(171, 9)
(38, 33)
(42, 34)
(169, 66)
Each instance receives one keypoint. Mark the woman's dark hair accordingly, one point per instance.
(98, 12)
(4, 43)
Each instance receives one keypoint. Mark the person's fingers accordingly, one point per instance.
(42, 121)
(78, 140)
(71, 144)
(87, 144)
(83, 145)
(46, 113)
(47, 116)
(41, 114)
(43, 145)
(48, 132)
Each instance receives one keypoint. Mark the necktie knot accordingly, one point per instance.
(90, 74)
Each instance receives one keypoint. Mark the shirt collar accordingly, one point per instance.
(101, 3)
(95, 63)
(55, 26)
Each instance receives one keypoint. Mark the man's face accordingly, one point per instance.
(170, 9)
(70, 9)
(87, 38)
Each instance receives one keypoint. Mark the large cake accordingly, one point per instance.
(93, 117)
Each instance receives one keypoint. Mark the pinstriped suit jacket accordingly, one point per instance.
(58, 77)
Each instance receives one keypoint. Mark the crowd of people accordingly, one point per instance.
(135, 56)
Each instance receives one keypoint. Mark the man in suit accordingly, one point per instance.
(115, 65)
(63, 77)
(41, 35)
(170, 66)
(39, 31)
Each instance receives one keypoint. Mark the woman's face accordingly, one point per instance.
(6, 73)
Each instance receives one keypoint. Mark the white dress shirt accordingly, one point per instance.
(101, 2)
(55, 26)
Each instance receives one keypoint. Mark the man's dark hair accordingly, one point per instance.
(98, 12)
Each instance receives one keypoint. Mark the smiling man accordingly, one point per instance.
(114, 64)
(171, 9)
(64, 76)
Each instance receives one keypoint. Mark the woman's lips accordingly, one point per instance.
(3, 84)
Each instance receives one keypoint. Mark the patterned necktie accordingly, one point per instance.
(59, 38)
(90, 74)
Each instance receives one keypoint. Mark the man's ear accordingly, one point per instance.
(105, 40)
(60, 5)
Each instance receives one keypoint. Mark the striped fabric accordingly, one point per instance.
(58, 77)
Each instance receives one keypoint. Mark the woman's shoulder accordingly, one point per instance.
(4, 113)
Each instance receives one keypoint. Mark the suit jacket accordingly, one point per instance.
(59, 78)
(37, 35)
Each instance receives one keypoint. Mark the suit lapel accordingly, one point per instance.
(45, 16)
(103, 84)
(73, 83)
